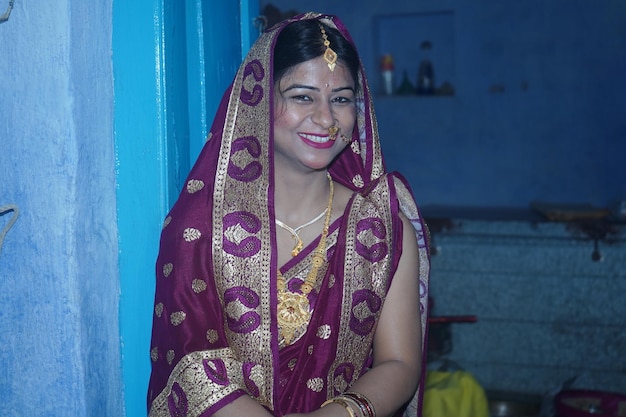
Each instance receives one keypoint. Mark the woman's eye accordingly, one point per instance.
(342, 100)
(301, 97)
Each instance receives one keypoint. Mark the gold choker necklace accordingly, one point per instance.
(294, 232)
(294, 310)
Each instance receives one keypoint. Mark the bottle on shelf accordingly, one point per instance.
(426, 72)
(386, 70)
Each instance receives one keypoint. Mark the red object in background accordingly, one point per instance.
(440, 332)
(588, 403)
(447, 319)
(386, 63)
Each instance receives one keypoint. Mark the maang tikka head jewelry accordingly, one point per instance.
(330, 56)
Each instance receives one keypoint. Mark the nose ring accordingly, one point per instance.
(332, 133)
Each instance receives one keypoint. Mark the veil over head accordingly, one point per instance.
(218, 241)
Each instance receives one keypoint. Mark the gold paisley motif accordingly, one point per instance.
(354, 145)
(190, 234)
(154, 354)
(361, 311)
(236, 234)
(158, 309)
(170, 356)
(212, 335)
(198, 286)
(193, 186)
(340, 383)
(235, 309)
(167, 269)
(358, 181)
(177, 317)
(315, 384)
(324, 332)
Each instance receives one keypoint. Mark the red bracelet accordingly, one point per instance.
(364, 403)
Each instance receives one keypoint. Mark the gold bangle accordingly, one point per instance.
(364, 403)
(342, 402)
(356, 406)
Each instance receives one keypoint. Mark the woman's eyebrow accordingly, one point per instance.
(300, 86)
(343, 88)
(309, 87)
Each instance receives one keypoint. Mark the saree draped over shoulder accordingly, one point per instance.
(215, 333)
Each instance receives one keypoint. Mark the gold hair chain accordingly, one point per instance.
(330, 56)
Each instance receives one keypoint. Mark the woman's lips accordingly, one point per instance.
(316, 141)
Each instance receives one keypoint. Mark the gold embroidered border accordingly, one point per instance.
(200, 391)
(360, 274)
(251, 272)
(422, 235)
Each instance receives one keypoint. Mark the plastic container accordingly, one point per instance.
(589, 403)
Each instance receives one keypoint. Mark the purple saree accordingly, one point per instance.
(215, 334)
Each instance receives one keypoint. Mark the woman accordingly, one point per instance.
(257, 317)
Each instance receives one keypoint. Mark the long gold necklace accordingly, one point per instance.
(294, 309)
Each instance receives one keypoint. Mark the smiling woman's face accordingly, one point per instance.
(309, 100)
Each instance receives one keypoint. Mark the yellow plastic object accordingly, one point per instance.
(454, 394)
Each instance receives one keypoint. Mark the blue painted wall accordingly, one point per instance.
(59, 281)
(95, 143)
(538, 112)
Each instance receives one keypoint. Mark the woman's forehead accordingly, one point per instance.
(315, 73)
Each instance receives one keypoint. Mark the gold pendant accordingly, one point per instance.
(294, 313)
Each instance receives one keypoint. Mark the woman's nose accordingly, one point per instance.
(323, 115)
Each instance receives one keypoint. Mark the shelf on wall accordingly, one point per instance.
(402, 35)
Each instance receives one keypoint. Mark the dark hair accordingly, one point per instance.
(302, 41)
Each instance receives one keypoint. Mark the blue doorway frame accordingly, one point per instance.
(172, 61)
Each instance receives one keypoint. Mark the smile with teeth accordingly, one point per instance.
(315, 138)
